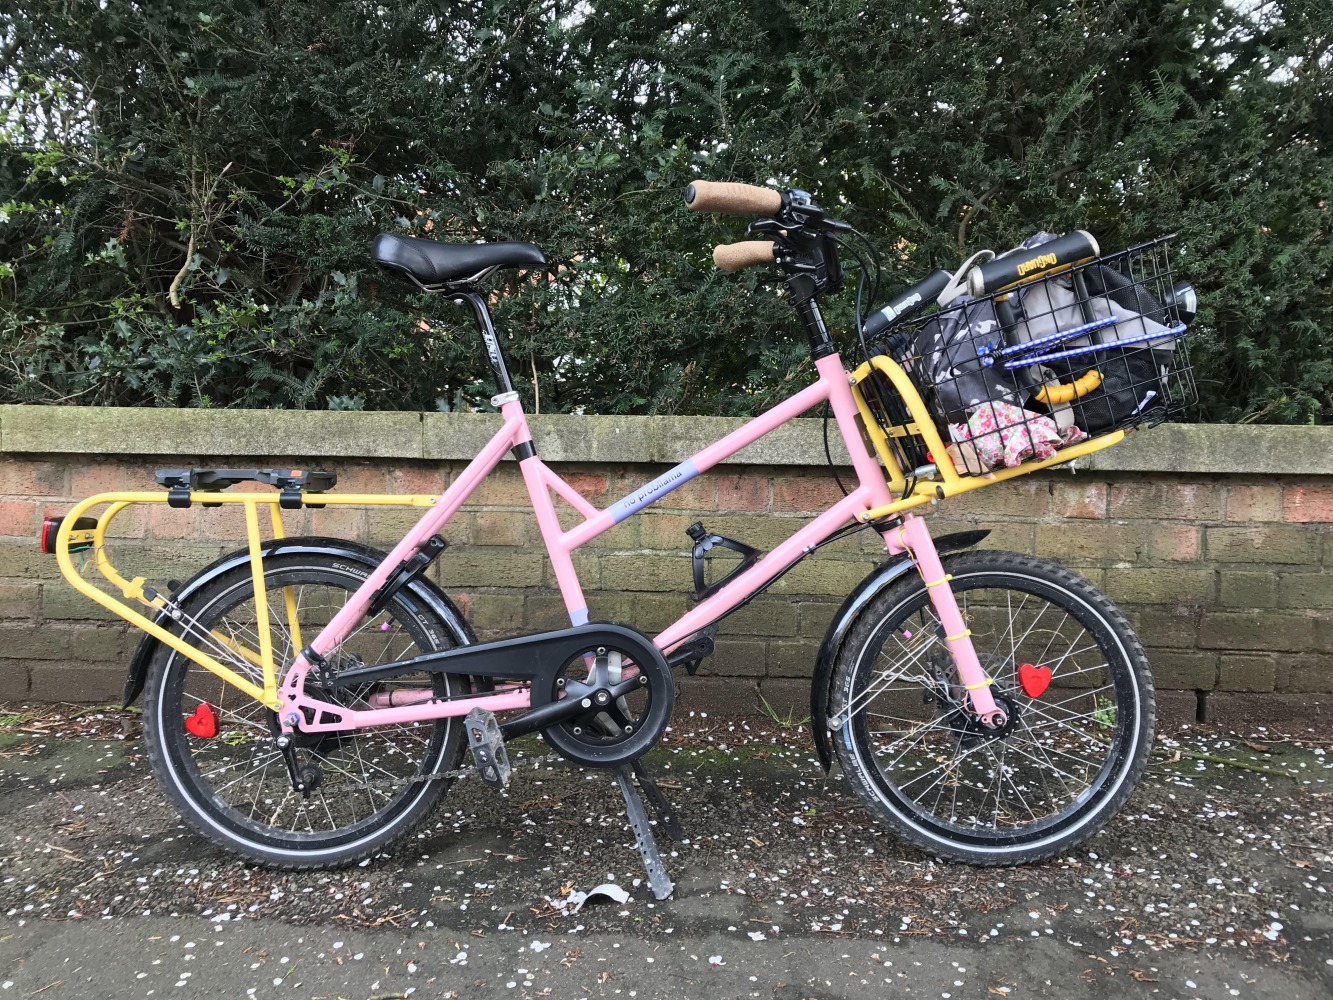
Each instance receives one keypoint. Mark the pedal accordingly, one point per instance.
(488, 748)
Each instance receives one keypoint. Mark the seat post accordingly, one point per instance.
(488, 337)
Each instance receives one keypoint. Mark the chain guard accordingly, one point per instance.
(544, 661)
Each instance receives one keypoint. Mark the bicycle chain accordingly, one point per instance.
(469, 769)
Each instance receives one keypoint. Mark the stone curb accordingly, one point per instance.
(1232, 449)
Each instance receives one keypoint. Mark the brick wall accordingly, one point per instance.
(1226, 575)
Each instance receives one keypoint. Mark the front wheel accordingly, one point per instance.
(1068, 669)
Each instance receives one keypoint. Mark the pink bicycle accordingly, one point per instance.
(308, 701)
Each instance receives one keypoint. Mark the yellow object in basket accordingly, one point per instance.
(1054, 394)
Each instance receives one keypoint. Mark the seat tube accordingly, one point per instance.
(557, 549)
(914, 536)
(561, 562)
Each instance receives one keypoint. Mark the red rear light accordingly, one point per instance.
(50, 525)
(51, 528)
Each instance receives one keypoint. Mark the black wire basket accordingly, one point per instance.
(1072, 354)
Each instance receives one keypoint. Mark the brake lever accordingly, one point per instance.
(832, 225)
(799, 212)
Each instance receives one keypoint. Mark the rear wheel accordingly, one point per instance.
(1067, 668)
(233, 787)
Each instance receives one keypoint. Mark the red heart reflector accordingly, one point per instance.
(1034, 680)
(204, 722)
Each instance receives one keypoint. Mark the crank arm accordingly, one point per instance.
(573, 705)
(544, 717)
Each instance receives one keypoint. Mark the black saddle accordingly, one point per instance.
(433, 263)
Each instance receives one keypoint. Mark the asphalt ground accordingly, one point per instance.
(1214, 881)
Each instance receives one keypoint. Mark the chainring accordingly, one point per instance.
(628, 706)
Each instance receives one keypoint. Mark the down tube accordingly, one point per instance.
(749, 582)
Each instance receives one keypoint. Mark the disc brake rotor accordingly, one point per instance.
(957, 714)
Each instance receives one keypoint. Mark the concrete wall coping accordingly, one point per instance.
(1225, 449)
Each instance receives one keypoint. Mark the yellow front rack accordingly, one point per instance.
(922, 425)
(135, 589)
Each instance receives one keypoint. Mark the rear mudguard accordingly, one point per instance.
(881, 577)
(362, 556)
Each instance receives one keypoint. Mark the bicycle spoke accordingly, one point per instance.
(940, 762)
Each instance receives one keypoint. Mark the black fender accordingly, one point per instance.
(353, 552)
(880, 578)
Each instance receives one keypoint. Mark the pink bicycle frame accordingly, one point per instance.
(871, 492)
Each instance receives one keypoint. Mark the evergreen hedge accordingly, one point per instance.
(188, 188)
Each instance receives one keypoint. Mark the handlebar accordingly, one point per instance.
(732, 257)
(732, 199)
(1026, 265)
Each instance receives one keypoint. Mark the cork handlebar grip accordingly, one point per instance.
(734, 257)
(732, 199)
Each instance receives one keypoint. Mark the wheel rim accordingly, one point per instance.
(1044, 777)
(239, 778)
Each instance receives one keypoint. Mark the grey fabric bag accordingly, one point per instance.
(948, 363)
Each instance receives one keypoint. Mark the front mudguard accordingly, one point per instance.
(880, 578)
(352, 552)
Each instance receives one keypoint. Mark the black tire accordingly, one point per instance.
(1057, 775)
(234, 788)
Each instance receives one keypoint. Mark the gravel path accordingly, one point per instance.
(1214, 882)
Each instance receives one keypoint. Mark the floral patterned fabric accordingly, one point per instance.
(1008, 435)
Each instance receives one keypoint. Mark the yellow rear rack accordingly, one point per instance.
(135, 589)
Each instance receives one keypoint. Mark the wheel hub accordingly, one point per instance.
(971, 731)
(955, 710)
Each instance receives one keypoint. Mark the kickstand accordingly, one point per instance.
(643, 835)
(659, 803)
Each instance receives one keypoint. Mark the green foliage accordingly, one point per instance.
(188, 188)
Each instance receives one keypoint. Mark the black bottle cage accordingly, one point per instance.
(704, 542)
